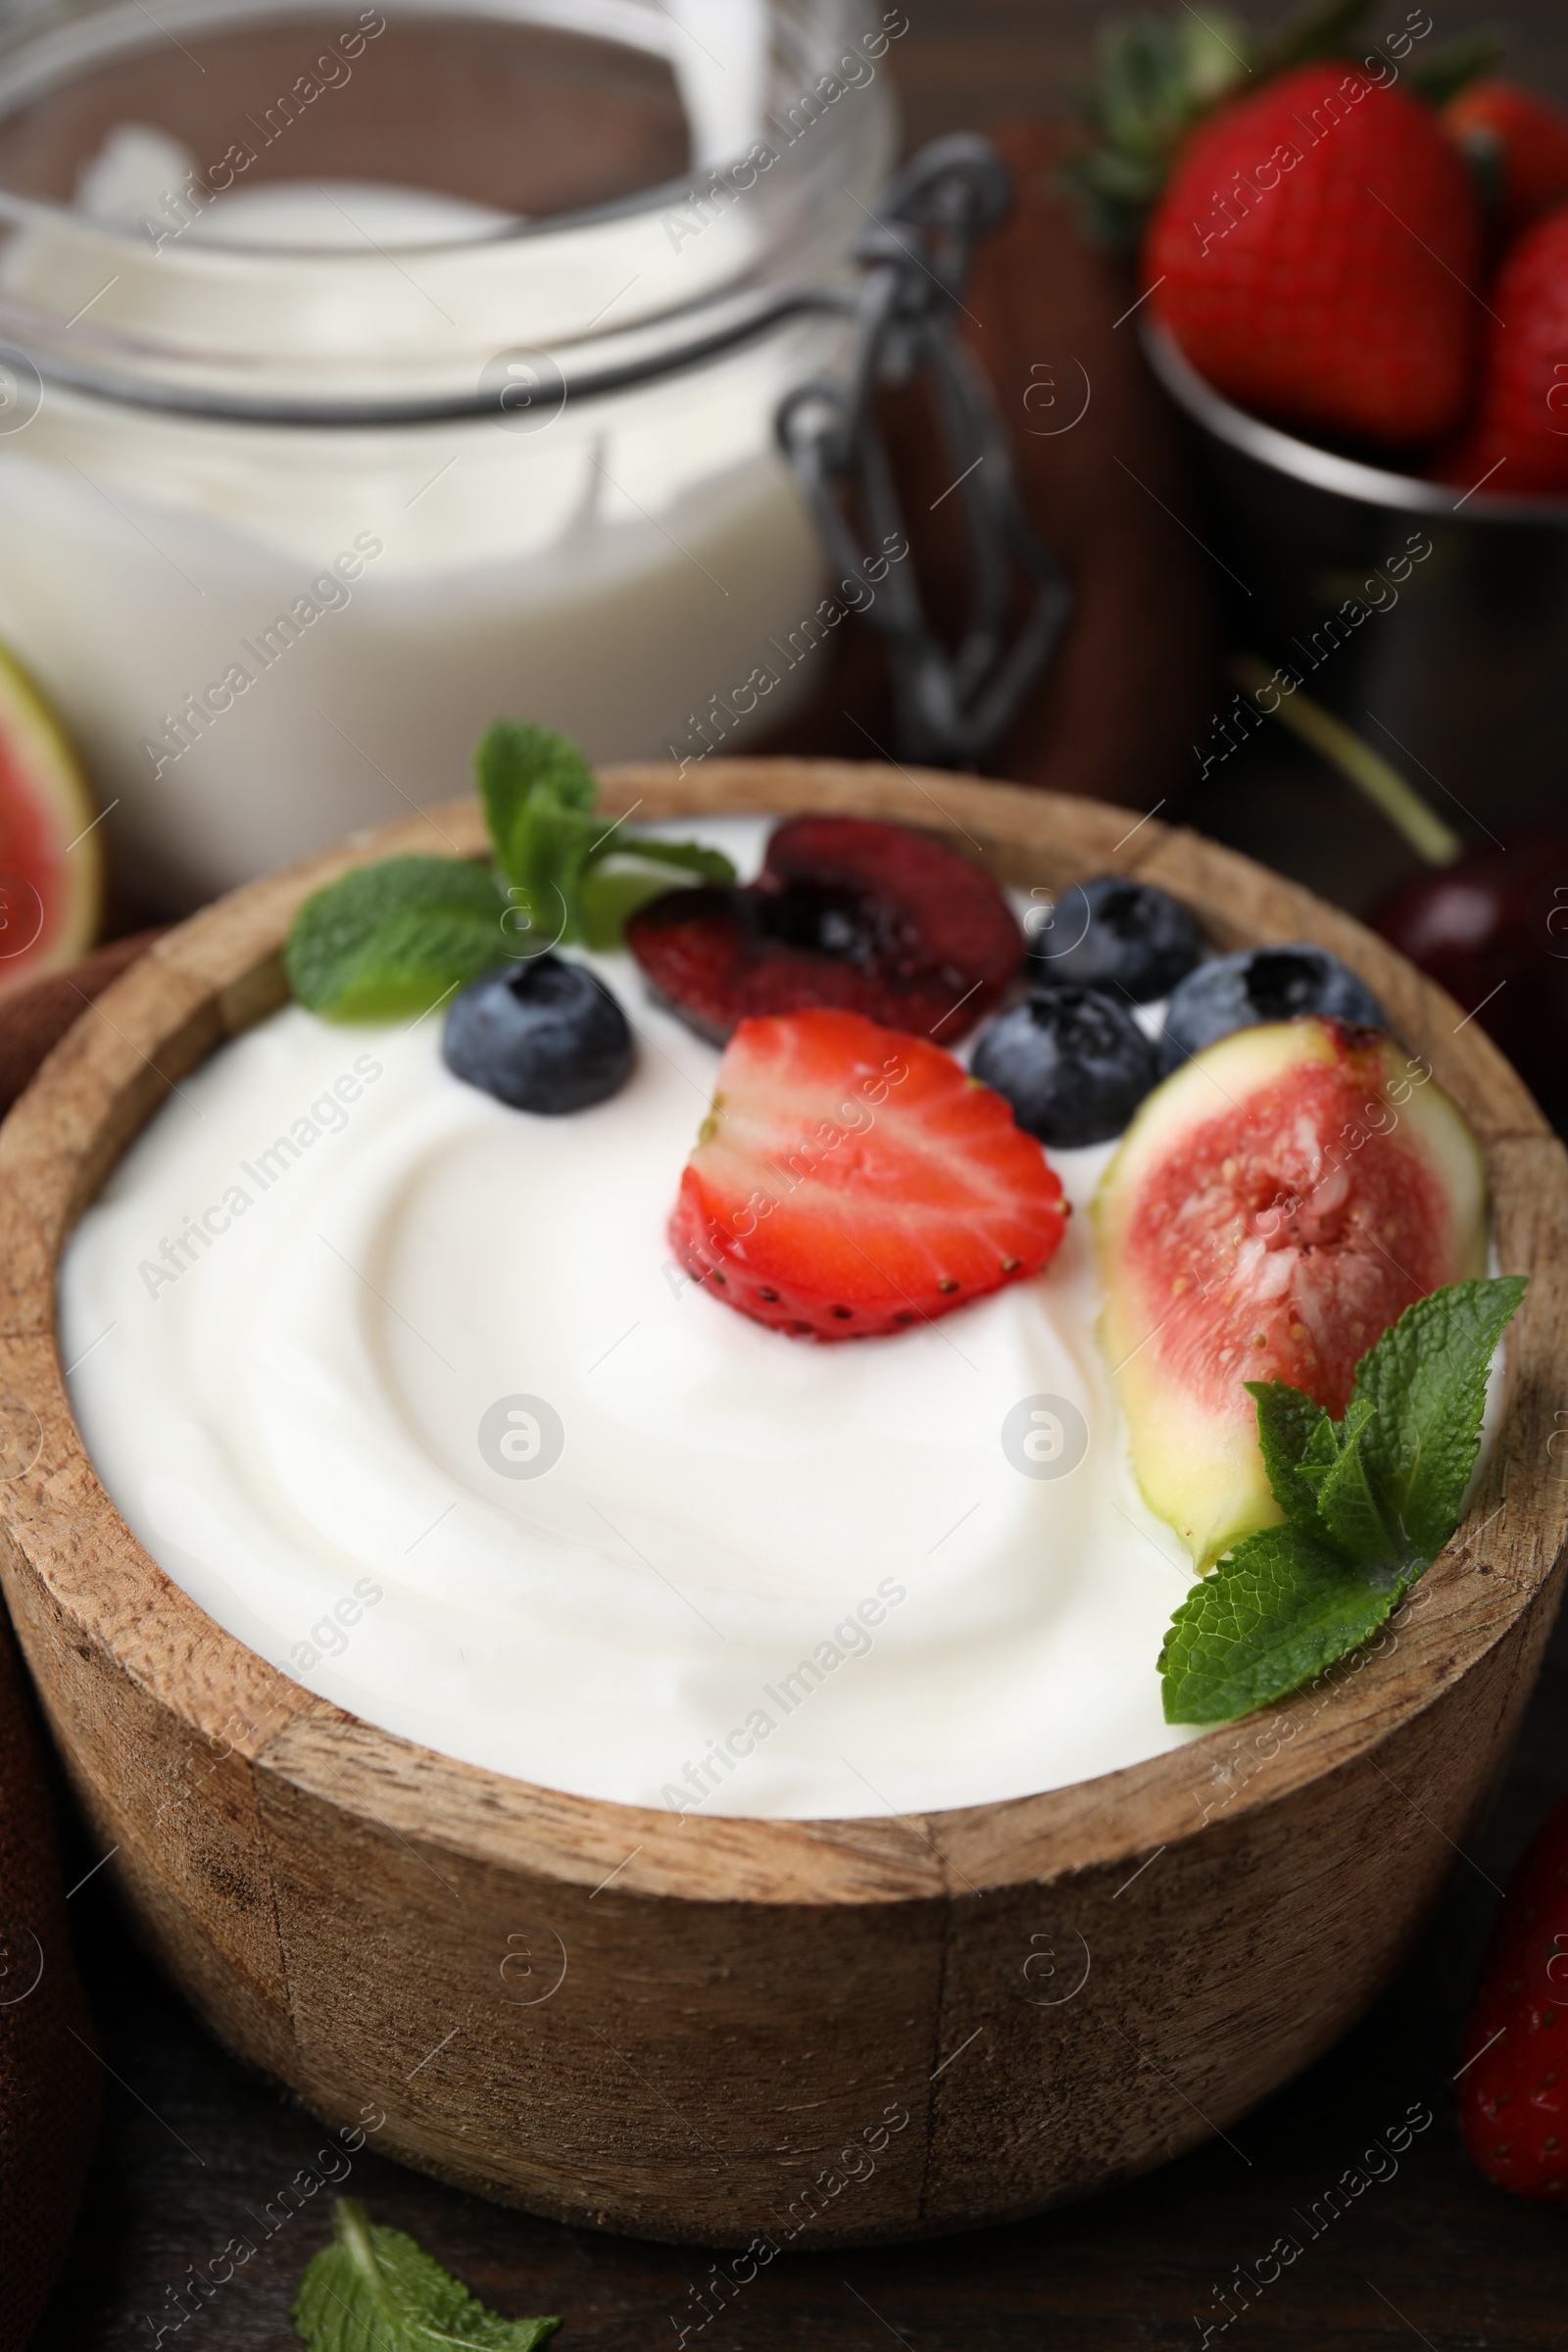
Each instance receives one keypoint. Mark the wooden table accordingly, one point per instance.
(195, 2152)
(967, 63)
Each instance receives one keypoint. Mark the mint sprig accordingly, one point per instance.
(391, 940)
(1369, 1502)
(374, 2289)
(538, 794)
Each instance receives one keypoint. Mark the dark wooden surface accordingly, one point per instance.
(968, 64)
(195, 2150)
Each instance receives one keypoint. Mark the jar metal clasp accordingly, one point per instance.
(951, 706)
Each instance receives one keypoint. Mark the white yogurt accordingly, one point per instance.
(762, 1577)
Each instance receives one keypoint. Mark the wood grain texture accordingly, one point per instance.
(688, 2050)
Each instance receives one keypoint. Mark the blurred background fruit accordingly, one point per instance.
(1518, 438)
(1320, 201)
(1493, 930)
(1313, 253)
(1515, 2070)
(51, 867)
(1517, 143)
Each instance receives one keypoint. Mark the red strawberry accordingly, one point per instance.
(850, 1181)
(1520, 435)
(874, 918)
(1519, 140)
(1515, 2070)
(1313, 255)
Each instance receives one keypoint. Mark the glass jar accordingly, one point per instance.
(368, 373)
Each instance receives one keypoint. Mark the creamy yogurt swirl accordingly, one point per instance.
(408, 1391)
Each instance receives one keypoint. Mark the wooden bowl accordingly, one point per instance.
(718, 2030)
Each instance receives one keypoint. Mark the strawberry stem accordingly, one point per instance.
(1389, 793)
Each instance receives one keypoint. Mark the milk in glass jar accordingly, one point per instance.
(369, 372)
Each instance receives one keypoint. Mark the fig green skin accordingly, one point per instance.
(1200, 1468)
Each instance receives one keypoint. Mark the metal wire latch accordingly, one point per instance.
(951, 706)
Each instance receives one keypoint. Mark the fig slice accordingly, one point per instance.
(1274, 1207)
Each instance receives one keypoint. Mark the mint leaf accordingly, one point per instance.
(538, 793)
(612, 894)
(1426, 1382)
(388, 941)
(1276, 1611)
(544, 860)
(373, 2289)
(1345, 1506)
(1287, 1424)
(1369, 1502)
(633, 872)
(693, 858)
(514, 763)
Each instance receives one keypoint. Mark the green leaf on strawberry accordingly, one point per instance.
(1160, 77)
(391, 940)
(1369, 1501)
(1444, 72)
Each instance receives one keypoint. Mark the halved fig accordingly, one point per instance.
(1273, 1208)
(848, 915)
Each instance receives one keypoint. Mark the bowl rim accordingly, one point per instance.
(1304, 462)
(218, 973)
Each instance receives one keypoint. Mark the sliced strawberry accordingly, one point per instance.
(1515, 2070)
(852, 1180)
(873, 918)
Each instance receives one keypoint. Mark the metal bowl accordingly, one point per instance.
(1434, 621)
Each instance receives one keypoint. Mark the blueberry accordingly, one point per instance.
(1124, 936)
(1073, 1064)
(1263, 983)
(542, 1035)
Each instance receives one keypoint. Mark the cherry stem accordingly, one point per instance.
(1391, 793)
